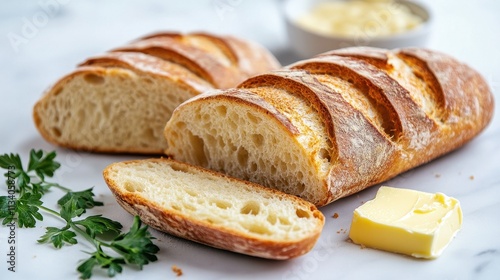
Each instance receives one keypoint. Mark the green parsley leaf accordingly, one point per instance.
(58, 236)
(86, 267)
(70, 210)
(84, 199)
(7, 209)
(114, 266)
(43, 163)
(27, 210)
(136, 246)
(8, 160)
(40, 187)
(99, 258)
(95, 225)
(15, 169)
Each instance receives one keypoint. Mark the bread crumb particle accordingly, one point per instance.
(362, 246)
(471, 177)
(437, 175)
(342, 231)
(335, 215)
(177, 270)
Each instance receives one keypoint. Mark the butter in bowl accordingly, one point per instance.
(317, 26)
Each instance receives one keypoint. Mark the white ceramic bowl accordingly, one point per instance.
(307, 43)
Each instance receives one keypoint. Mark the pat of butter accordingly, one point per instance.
(408, 222)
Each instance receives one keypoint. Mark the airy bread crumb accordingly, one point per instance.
(178, 272)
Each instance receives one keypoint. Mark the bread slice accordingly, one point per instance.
(120, 101)
(213, 209)
(327, 127)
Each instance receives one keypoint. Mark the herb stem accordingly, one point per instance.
(58, 186)
(89, 238)
(46, 209)
(75, 227)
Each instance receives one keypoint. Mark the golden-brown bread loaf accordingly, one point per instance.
(120, 101)
(330, 126)
(213, 209)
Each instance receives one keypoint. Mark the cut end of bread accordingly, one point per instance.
(244, 142)
(216, 210)
(109, 110)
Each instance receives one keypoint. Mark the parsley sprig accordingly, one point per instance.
(31, 185)
(113, 248)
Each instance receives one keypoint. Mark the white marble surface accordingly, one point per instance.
(54, 38)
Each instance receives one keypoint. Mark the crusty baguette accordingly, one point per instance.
(213, 209)
(330, 126)
(120, 101)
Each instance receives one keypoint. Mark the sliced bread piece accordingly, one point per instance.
(213, 209)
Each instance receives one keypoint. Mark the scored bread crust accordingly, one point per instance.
(330, 104)
(380, 113)
(181, 224)
(250, 58)
(150, 65)
(200, 62)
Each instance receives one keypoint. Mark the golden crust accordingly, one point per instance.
(457, 89)
(218, 236)
(251, 55)
(198, 61)
(223, 45)
(300, 83)
(375, 56)
(245, 58)
(136, 61)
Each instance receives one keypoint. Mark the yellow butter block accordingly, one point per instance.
(407, 221)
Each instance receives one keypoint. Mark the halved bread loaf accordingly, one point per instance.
(119, 104)
(213, 209)
(330, 126)
(120, 101)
